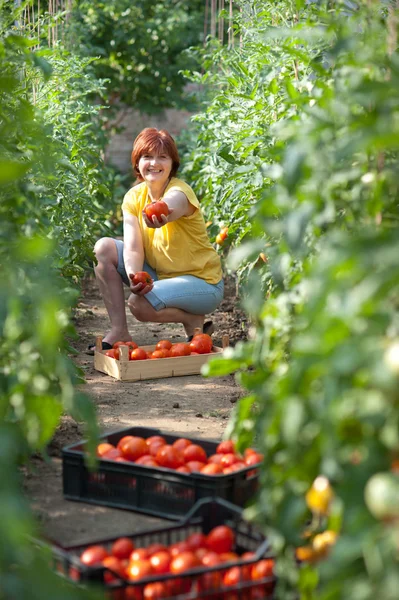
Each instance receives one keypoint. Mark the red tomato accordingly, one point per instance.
(154, 591)
(246, 569)
(183, 469)
(212, 469)
(155, 438)
(110, 353)
(160, 561)
(201, 345)
(138, 354)
(238, 466)
(194, 452)
(141, 277)
(132, 345)
(156, 209)
(163, 344)
(226, 447)
(196, 540)
(210, 559)
(229, 459)
(122, 548)
(181, 349)
(163, 353)
(103, 448)
(123, 440)
(184, 562)
(178, 548)
(147, 461)
(228, 557)
(133, 593)
(93, 555)
(263, 568)
(224, 232)
(169, 457)
(156, 547)
(181, 443)
(115, 565)
(155, 446)
(112, 454)
(195, 466)
(249, 451)
(134, 448)
(233, 576)
(254, 459)
(138, 554)
(215, 458)
(138, 569)
(220, 539)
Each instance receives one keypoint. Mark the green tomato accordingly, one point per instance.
(381, 495)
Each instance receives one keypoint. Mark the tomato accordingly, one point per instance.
(155, 446)
(134, 448)
(219, 239)
(181, 443)
(211, 469)
(195, 466)
(237, 466)
(183, 469)
(155, 438)
(138, 554)
(226, 447)
(210, 559)
(163, 353)
(110, 353)
(249, 451)
(160, 561)
(319, 495)
(115, 565)
(163, 344)
(196, 540)
(228, 557)
(146, 460)
(155, 547)
(153, 591)
(229, 459)
(141, 277)
(133, 593)
(93, 555)
(184, 562)
(224, 232)
(202, 344)
(156, 209)
(215, 458)
(169, 457)
(122, 548)
(246, 569)
(180, 349)
(254, 459)
(112, 454)
(233, 576)
(123, 440)
(138, 569)
(104, 448)
(194, 452)
(132, 345)
(220, 539)
(263, 568)
(178, 548)
(138, 354)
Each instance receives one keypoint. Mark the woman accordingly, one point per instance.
(174, 249)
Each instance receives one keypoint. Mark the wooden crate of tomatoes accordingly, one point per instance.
(145, 470)
(129, 362)
(212, 553)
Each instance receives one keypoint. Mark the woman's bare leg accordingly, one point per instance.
(111, 289)
(143, 311)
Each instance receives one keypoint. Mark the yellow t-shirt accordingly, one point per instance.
(178, 248)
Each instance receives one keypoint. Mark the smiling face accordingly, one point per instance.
(155, 168)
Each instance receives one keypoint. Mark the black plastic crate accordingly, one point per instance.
(156, 491)
(204, 516)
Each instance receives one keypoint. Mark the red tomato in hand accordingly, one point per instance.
(93, 555)
(156, 209)
(220, 539)
(141, 277)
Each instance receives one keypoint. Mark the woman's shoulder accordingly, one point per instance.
(176, 183)
(135, 191)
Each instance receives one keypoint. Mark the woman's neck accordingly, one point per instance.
(156, 192)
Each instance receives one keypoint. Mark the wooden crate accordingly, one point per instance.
(136, 370)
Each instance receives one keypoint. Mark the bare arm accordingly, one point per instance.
(133, 251)
(178, 205)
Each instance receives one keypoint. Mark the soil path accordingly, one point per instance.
(191, 406)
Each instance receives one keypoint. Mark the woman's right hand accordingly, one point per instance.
(140, 289)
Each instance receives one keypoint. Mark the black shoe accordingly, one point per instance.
(207, 328)
(91, 349)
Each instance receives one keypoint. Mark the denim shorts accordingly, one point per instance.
(189, 293)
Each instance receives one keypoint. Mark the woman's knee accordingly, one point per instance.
(105, 250)
(140, 308)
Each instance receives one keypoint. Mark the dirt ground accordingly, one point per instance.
(190, 406)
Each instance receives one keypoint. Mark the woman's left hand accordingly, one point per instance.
(156, 223)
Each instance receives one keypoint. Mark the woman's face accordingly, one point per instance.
(155, 168)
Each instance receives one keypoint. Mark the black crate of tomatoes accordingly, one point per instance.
(148, 471)
(213, 553)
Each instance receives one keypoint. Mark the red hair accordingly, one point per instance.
(154, 140)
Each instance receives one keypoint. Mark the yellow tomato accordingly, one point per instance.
(319, 496)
